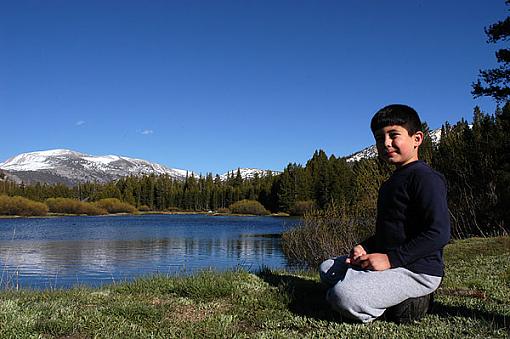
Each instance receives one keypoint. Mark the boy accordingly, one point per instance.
(400, 266)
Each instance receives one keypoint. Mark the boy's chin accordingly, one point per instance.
(388, 160)
(392, 162)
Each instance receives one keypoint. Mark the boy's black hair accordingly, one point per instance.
(396, 114)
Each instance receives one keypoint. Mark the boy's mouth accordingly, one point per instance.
(390, 152)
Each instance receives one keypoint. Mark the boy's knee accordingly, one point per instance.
(343, 298)
(326, 265)
(324, 271)
(332, 270)
(348, 303)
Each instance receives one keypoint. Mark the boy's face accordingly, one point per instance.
(396, 146)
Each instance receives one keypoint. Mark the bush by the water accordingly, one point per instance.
(21, 206)
(326, 233)
(144, 208)
(73, 206)
(248, 207)
(302, 207)
(113, 205)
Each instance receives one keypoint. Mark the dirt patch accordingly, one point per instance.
(198, 312)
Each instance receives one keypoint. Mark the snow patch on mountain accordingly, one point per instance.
(366, 153)
(247, 173)
(70, 167)
(435, 135)
(34, 161)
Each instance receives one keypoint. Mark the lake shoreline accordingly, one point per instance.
(58, 215)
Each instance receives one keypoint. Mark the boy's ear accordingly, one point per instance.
(418, 138)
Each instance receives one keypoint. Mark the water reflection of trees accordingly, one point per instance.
(111, 255)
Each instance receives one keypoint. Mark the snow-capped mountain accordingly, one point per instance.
(371, 151)
(70, 167)
(366, 153)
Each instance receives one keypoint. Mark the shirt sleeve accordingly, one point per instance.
(430, 195)
(368, 244)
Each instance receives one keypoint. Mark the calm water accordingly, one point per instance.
(62, 252)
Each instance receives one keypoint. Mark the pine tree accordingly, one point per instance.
(495, 82)
(319, 172)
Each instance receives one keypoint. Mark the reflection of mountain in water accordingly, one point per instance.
(138, 257)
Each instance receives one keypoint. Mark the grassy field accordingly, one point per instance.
(473, 301)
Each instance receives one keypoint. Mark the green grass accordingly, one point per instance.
(473, 301)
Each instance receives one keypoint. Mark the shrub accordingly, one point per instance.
(89, 208)
(248, 207)
(21, 206)
(144, 208)
(114, 205)
(72, 206)
(326, 233)
(223, 210)
(302, 207)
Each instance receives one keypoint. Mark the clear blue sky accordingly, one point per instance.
(210, 86)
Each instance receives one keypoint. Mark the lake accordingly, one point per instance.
(62, 252)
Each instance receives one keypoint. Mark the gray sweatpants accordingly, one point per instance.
(365, 295)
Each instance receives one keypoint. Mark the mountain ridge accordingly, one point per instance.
(71, 167)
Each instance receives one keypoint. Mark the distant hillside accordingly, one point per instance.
(70, 168)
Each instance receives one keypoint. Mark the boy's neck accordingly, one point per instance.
(397, 167)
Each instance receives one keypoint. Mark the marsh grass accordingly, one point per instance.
(20, 206)
(473, 301)
(73, 206)
(323, 234)
(246, 206)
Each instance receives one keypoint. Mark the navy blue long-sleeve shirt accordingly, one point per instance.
(413, 222)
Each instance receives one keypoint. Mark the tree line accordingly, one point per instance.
(158, 192)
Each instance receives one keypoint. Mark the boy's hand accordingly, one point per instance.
(375, 262)
(355, 255)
